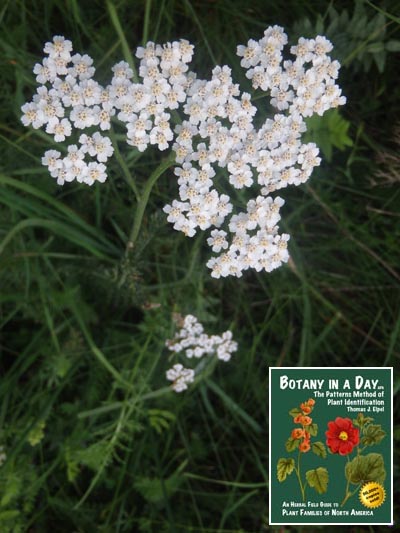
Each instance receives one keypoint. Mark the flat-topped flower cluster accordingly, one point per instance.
(218, 148)
(195, 343)
(69, 99)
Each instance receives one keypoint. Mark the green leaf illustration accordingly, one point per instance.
(284, 468)
(362, 420)
(312, 429)
(319, 449)
(294, 412)
(372, 434)
(366, 468)
(318, 479)
(292, 444)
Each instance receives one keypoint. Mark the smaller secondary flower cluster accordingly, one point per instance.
(303, 433)
(69, 99)
(305, 85)
(192, 340)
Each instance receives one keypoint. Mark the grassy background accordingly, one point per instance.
(83, 324)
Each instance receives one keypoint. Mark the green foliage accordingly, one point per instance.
(319, 449)
(365, 468)
(318, 479)
(295, 412)
(160, 420)
(37, 433)
(18, 489)
(157, 491)
(284, 468)
(292, 444)
(328, 132)
(83, 320)
(360, 36)
(373, 434)
(313, 429)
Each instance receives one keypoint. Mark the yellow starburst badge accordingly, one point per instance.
(372, 495)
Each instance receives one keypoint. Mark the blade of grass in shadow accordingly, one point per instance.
(146, 22)
(59, 228)
(124, 43)
(234, 407)
(60, 207)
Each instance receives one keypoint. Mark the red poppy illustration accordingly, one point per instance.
(342, 436)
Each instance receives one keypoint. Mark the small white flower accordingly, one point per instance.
(82, 67)
(180, 376)
(97, 146)
(95, 172)
(59, 128)
(31, 115)
(51, 159)
(59, 47)
(122, 70)
(218, 241)
(82, 117)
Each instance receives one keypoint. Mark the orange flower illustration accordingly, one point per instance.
(300, 439)
(306, 408)
(305, 420)
(305, 446)
(298, 433)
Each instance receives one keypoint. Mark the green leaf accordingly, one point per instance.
(5, 516)
(328, 131)
(160, 419)
(312, 429)
(366, 468)
(12, 489)
(156, 490)
(319, 449)
(375, 48)
(373, 434)
(292, 444)
(294, 412)
(393, 46)
(362, 420)
(73, 468)
(318, 479)
(94, 456)
(284, 468)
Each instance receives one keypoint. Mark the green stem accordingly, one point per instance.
(299, 478)
(146, 22)
(102, 359)
(348, 493)
(142, 203)
(124, 43)
(124, 167)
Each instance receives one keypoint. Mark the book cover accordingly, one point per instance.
(330, 446)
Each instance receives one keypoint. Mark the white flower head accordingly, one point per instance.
(180, 376)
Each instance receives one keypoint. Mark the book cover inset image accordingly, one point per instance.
(330, 446)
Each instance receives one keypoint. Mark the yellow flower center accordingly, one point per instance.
(343, 435)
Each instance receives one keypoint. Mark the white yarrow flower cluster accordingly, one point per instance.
(69, 100)
(220, 152)
(180, 377)
(220, 132)
(194, 343)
